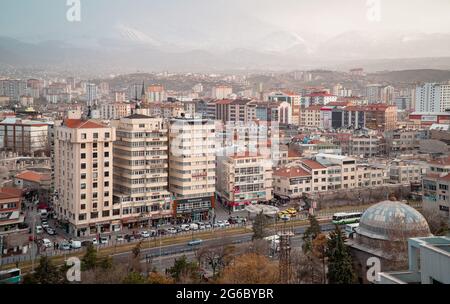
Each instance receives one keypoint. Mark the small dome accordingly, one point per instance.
(390, 220)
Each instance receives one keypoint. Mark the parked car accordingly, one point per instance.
(50, 231)
(94, 241)
(208, 226)
(75, 244)
(44, 224)
(153, 233)
(193, 226)
(201, 226)
(130, 237)
(38, 229)
(145, 234)
(185, 227)
(46, 243)
(171, 230)
(119, 238)
(103, 240)
(64, 246)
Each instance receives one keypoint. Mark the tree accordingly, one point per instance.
(135, 263)
(319, 250)
(89, 260)
(134, 278)
(46, 273)
(250, 268)
(259, 226)
(340, 269)
(184, 271)
(310, 233)
(155, 277)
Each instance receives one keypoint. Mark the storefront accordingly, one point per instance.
(193, 209)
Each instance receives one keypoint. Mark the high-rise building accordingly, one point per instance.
(221, 91)
(156, 93)
(91, 93)
(432, 98)
(13, 88)
(293, 100)
(84, 177)
(141, 171)
(192, 163)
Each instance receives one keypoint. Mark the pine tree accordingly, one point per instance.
(45, 273)
(89, 260)
(340, 268)
(259, 226)
(310, 233)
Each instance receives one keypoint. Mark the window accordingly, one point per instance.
(106, 194)
(83, 186)
(83, 155)
(94, 195)
(106, 203)
(106, 154)
(83, 175)
(106, 184)
(83, 135)
(106, 164)
(83, 146)
(94, 215)
(95, 165)
(94, 185)
(82, 217)
(106, 134)
(95, 155)
(94, 145)
(106, 173)
(116, 212)
(106, 144)
(83, 166)
(83, 206)
(83, 196)
(95, 135)
(105, 213)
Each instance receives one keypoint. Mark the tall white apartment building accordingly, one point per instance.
(432, 98)
(141, 171)
(91, 93)
(221, 91)
(84, 177)
(192, 163)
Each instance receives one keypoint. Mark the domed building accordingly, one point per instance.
(383, 232)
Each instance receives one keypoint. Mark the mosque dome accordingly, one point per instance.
(392, 220)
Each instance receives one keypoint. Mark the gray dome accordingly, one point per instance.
(391, 220)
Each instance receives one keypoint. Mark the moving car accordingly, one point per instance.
(44, 224)
(50, 231)
(195, 242)
(38, 229)
(64, 246)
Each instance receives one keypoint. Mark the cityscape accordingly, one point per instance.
(140, 145)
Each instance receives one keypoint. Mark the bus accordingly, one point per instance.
(346, 218)
(11, 276)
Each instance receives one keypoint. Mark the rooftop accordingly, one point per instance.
(33, 176)
(291, 172)
(82, 124)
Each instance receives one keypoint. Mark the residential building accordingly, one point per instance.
(156, 93)
(243, 179)
(116, 110)
(192, 163)
(292, 99)
(33, 180)
(141, 171)
(84, 177)
(432, 98)
(221, 91)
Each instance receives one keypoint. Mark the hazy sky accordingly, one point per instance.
(199, 20)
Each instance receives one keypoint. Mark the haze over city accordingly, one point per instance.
(226, 35)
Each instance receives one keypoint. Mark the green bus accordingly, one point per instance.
(11, 276)
(346, 218)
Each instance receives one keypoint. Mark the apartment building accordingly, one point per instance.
(346, 165)
(274, 111)
(23, 136)
(370, 176)
(235, 110)
(115, 110)
(436, 195)
(84, 177)
(381, 117)
(221, 91)
(141, 171)
(243, 179)
(192, 163)
(406, 173)
(162, 109)
(292, 99)
(311, 116)
(402, 140)
(290, 183)
(366, 145)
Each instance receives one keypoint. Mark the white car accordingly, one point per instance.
(103, 240)
(201, 226)
(185, 227)
(38, 229)
(171, 230)
(145, 234)
(75, 244)
(208, 226)
(47, 243)
(193, 226)
(94, 242)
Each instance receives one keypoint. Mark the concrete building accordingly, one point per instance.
(436, 197)
(192, 165)
(381, 117)
(243, 180)
(23, 136)
(346, 166)
(141, 171)
(115, 110)
(156, 93)
(311, 116)
(318, 98)
(429, 263)
(366, 145)
(405, 173)
(290, 183)
(292, 99)
(432, 98)
(91, 94)
(221, 91)
(84, 177)
(274, 111)
(13, 88)
(243, 110)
